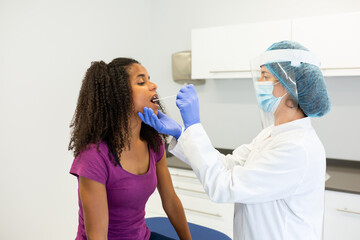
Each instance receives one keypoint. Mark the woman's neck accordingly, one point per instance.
(288, 116)
(135, 128)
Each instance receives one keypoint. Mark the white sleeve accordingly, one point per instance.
(274, 174)
(238, 157)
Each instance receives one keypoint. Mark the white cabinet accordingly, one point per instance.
(225, 52)
(334, 39)
(342, 216)
(198, 207)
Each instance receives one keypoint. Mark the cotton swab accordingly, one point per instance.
(159, 99)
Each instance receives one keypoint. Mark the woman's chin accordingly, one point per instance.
(155, 107)
(156, 111)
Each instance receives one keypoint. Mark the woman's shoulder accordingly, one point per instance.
(92, 162)
(99, 149)
(160, 153)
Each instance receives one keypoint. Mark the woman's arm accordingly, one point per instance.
(170, 201)
(95, 208)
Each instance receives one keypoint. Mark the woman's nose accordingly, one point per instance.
(152, 86)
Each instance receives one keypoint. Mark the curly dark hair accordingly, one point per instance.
(104, 108)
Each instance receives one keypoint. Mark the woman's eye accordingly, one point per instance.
(141, 83)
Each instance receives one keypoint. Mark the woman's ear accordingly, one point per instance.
(290, 102)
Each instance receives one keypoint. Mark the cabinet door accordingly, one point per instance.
(334, 39)
(198, 207)
(154, 206)
(209, 214)
(225, 52)
(342, 216)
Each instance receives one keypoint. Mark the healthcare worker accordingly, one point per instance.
(277, 181)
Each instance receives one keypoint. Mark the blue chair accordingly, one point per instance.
(163, 226)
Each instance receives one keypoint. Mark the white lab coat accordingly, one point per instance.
(277, 181)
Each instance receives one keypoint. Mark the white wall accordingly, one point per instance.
(45, 49)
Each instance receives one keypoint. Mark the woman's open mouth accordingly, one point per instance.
(155, 99)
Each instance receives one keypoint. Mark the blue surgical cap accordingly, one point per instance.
(311, 92)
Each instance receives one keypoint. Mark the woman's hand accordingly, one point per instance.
(161, 123)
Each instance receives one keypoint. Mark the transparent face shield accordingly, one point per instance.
(274, 76)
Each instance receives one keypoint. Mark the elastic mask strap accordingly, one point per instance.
(276, 83)
(284, 95)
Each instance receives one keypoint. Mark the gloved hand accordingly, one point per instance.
(188, 103)
(161, 123)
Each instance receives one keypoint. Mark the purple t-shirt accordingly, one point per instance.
(127, 193)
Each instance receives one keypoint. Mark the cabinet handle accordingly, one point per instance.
(187, 189)
(347, 211)
(246, 71)
(229, 71)
(197, 211)
(179, 175)
(340, 68)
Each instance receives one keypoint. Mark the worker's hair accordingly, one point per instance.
(103, 110)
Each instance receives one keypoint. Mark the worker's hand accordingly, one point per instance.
(188, 103)
(161, 123)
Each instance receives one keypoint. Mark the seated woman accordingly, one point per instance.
(119, 161)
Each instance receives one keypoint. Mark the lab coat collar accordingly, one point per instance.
(303, 123)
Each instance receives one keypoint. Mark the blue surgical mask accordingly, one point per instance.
(267, 101)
